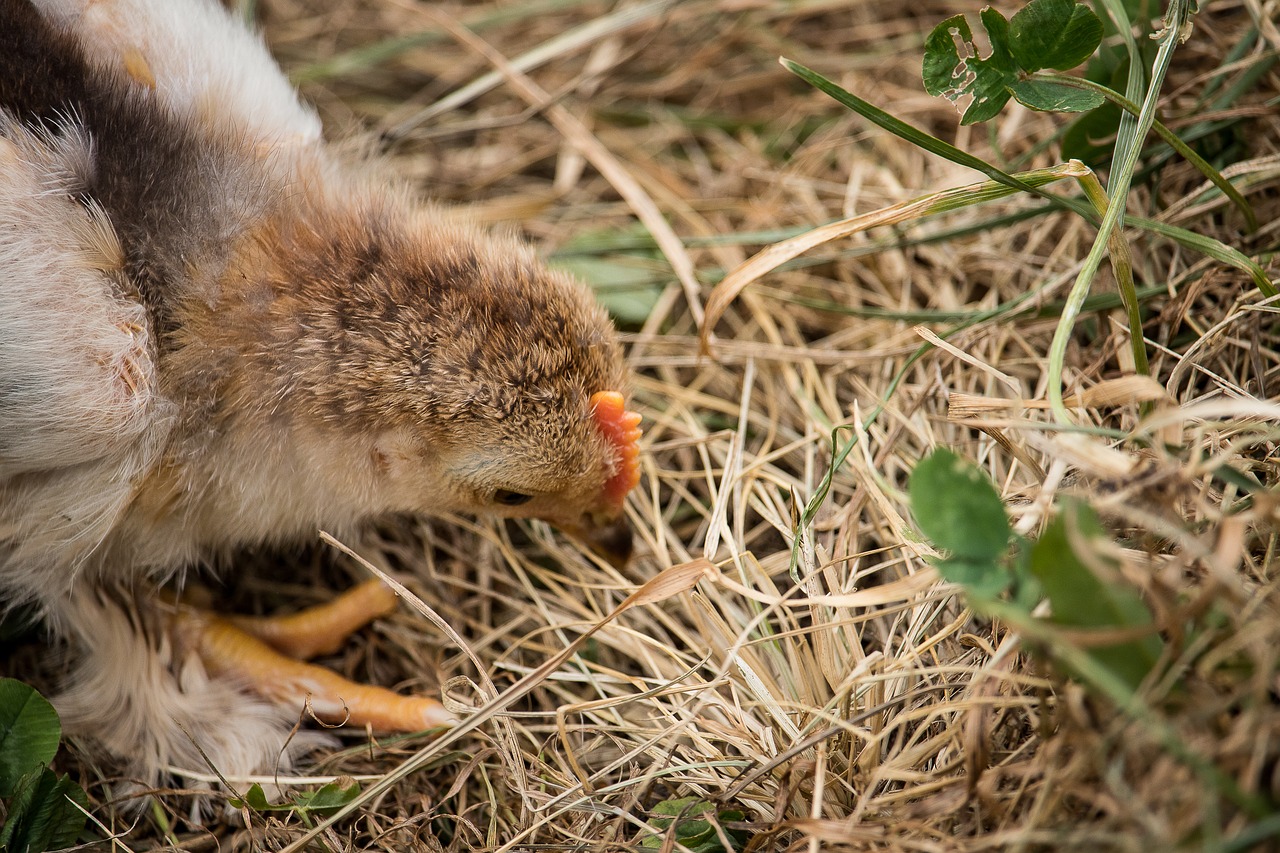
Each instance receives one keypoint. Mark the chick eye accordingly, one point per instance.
(509, 498)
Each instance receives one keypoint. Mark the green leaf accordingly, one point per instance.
(256, 799)
(1062, 561)
(694, 832)
(328, 799)
(953, 68)
(1027, 592)
(980, 578)
(323, 801)
(958, 508)
(628, 287)
(43, 814)
(1048, 97)
(1057, 34)
(29, 733)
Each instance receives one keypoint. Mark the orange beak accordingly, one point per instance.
(611, 542)
(609, 538)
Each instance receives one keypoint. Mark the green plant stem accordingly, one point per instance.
(1184, 150)
(1136, 77)
(1122, 264)
(1197, 242)
(1105, 683)
(1128, 147)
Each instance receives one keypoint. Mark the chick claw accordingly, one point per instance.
(263, 654)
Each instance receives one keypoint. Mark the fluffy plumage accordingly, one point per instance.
(213, 335)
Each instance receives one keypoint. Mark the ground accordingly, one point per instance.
(828, 692)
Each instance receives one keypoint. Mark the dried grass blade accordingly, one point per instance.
(778, 254)
(903, 589)
(602, 158)
(566, 43)
(418, 604)
(672, 581)
(999, 375)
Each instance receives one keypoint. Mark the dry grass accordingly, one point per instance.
(855, 704)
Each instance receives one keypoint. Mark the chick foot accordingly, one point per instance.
(267, 654)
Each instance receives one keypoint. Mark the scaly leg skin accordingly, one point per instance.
(321, 630)
(263, 654)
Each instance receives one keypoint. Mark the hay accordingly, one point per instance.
(855, 703)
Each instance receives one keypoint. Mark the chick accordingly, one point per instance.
(213, 335)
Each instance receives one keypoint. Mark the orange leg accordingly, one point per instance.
(263, 652)
(321, 630)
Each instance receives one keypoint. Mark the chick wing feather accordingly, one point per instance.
(76, 369)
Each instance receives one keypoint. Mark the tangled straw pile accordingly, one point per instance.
(850, 701)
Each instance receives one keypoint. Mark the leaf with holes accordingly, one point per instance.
(1057, 34)
(953, 69)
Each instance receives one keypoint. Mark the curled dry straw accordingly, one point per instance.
(856, 703)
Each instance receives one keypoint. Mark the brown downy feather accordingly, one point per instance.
(214, 335)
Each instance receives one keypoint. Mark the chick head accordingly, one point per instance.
(489, 383)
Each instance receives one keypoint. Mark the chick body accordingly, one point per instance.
(213, 335)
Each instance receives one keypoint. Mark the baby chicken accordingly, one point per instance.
(212, 336)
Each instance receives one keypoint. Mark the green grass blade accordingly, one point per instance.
(1184, 150)
(1128, 147)
(910, 133)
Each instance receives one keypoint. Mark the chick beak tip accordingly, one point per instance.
(611, 542)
